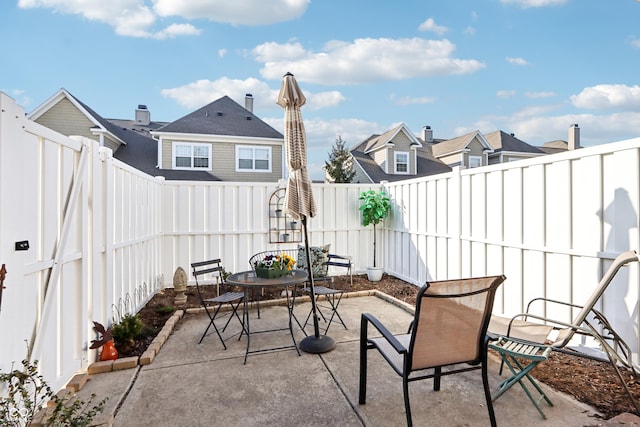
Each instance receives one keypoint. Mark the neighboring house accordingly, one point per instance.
(186, 151)
(398, 154)
(224, 139)
(471, 151)
(508, 148)
(395, 155)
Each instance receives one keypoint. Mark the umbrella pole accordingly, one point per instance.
(315, 343)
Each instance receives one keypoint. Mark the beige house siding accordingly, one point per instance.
(223, 161)
(66, 119)
(475, 149)
(380, 157)
(360, 176)
(402, 143)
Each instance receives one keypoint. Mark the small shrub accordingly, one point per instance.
(127, 331)
(165, 309)
(28, 393)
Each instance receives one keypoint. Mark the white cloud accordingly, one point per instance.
(534, 3)
(516, 61)
(537, 125)
(470, 30)
(175, 30)
(538, 95)
(133, 18)
(430, 25)
(238, 12)
(635, 43)
(406, 100)
(222, 53)
(607, 97)
(274, 52)
(199, 93)
(504, 94)
(364, 60)
(594, 129)
(321, 134)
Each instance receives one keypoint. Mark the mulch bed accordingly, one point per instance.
(588, 381)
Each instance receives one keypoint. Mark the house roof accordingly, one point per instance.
(458, 144)
(138, 149)
(222, 117)
(427, 164)
(378, 141)
(556, 146)
(141, 152)
(502, 141)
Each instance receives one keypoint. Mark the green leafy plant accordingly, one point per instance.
(127, 331)
(28, 394)
(165, 309)
(374, 208)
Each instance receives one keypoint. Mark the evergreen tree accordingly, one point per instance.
(340, 164)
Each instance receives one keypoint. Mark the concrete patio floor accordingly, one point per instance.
(191, 384)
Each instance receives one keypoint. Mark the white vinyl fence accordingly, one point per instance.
(104, 237)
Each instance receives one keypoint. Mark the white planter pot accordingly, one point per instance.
(374, 274)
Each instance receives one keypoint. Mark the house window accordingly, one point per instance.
(191, 156)
(401, 162)
(475, 161)
(253, 159)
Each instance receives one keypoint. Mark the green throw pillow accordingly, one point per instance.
(319, 256)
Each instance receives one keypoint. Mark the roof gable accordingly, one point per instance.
(375, 142)
(100, 123)
(459, 144)
(222, 117)
(502, 141)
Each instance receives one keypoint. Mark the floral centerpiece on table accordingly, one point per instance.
(275, 266)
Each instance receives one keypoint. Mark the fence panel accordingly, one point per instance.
(551, 224)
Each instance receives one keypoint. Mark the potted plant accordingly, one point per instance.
(374, 209)
(274, 266)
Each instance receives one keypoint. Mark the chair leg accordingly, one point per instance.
(211, 322)
(334, 311)
(235, 313)
(407, 404)
(487, 394)
(362, 394)
(436, 378)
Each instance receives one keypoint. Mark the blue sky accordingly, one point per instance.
(531, 67)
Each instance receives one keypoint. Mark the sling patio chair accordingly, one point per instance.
(448, 331)
(212, 306)
(589, 322)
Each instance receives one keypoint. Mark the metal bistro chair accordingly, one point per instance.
(449, 328)
(233, 299)
(332, 295)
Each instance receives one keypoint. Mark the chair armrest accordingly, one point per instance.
(386, 334)
(548, 300)
(339, 260)
(556, 323)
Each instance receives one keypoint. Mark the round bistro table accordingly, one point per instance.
(249, 280)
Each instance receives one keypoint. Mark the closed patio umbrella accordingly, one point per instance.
(298, 200)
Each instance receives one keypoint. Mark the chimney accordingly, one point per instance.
(143, 116)
(248, 102)
(574, 137)
(427, 134)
